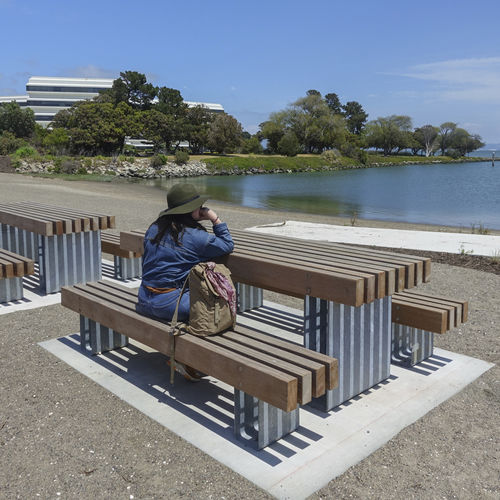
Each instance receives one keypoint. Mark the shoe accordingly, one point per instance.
(187, 372)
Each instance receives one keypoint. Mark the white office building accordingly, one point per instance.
(46, 95)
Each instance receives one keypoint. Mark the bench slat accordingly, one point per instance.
(304, 377)
(14, 265)
(419, 316)
(418, 268)
(395, 275)
(260, 349)
(266, 383)
(370, 280)
(290, 279)
(460, 305)
(330, 364)
(110, 243)
(384, 279)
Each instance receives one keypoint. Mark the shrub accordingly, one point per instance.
(158, 161)
(25, 152)
(9, 143)
(331, 156)
(181, 157)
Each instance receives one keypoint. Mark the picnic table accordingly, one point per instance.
(65, 242)
(347, 293)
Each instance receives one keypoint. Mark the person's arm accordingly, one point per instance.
(220, 242)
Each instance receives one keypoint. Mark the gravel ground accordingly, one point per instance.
(63, 436)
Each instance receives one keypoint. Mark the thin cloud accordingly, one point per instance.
(461, 79)
(89, 71)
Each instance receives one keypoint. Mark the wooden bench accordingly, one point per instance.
(416, 317)
(12, 269)
(280, 375)
(127, 264)
(65, 242)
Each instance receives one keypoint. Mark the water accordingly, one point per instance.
(443, 194)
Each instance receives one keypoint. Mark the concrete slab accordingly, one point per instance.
(476, 244)
(34, 298)
(324, 446)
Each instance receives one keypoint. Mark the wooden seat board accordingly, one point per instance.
(370, 280)
(331, 258)
(299, 355)
(419, 267)
(385, 278)
(37, 225)
(260, 350)
(451, 312)
(110, 243)
(330, 364)
(460, 305)
(73, 223)
(419, 316)
(6, 269)
(304, 377)
(266, 383)
(296, 280)
(87, 222)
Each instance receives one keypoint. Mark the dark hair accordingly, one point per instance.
(174, 225)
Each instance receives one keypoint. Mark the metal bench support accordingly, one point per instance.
(249, 297)
(11, 289)
(63, 259)
(359, 337)
(96, 338)
(411, 345)
(22, 242)
(126, 268)
(259, 424)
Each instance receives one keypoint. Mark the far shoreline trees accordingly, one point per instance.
(313, 124)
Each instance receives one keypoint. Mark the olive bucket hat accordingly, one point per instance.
(183, 199)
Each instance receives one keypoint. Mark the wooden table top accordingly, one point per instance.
(50, 220)
(333, 271)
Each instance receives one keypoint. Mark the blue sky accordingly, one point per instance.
(435, 61)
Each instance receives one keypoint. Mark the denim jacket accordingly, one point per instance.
(167, 265)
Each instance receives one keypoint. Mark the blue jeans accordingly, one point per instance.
(162, 305)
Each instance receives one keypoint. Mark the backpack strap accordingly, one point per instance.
(174, 331)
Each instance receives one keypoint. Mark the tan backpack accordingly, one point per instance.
(209, 312)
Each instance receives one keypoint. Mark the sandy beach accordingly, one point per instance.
(63, 436)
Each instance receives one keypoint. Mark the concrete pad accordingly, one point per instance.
(34, 298)
(475, 244)
(323, 447)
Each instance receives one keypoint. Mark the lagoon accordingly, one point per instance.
(448, 194)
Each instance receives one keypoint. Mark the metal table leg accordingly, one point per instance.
(359, 337)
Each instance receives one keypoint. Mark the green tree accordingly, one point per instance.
(355, 117)
(20, 122)
(389, 133)
(157, 128)
(333, 102)
(224, 134)
(131, 88)
(426, 138)
(273, 130)
(444, 136)
(289, 144)
(96, 127)
(462, 142)
(195, 131)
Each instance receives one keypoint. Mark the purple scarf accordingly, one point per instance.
(222, 286)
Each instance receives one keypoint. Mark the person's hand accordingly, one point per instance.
(205, 213)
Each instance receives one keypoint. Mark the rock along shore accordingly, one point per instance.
(142, 167)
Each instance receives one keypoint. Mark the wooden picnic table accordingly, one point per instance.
(65, 242)
(347, 293)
